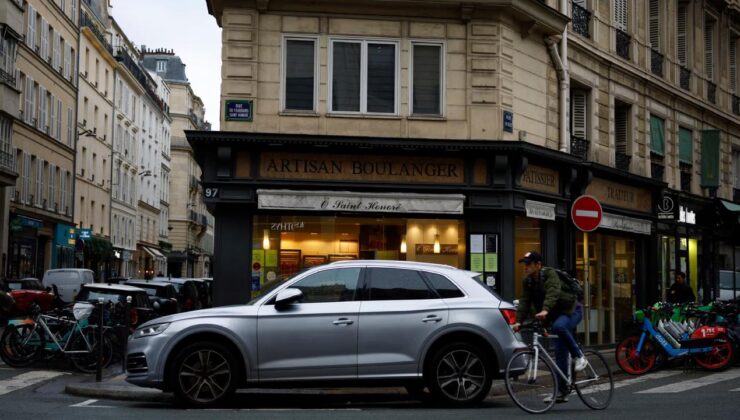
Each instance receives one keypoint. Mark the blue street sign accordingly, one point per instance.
(239, 110)
(508, 121)
(85, 233)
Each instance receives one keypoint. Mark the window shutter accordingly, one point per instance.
(26, 186)
(50, 201)
(655, 24)
(39, 182)
(685, 147)
(31, 30)
(59, 120)
(620, 14)
(427, 80)
(44, 39)
(710, 140)
(53, 117)
(41, 122)
(67, 59)
(733, 65)
(579, 113)
(12, 189)
(56, 53)
(581, 3)
(681, 30)
(62, 191)
(621, 115)
(28, 110)
(709, 48)
(657, 133)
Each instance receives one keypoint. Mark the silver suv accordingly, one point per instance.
(349, 323)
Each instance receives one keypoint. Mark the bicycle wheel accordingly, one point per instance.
(87, 361)
(630, 361)
(595, 384)
(21, 345)
(530, 381)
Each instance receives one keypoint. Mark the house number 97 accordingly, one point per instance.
(211, 192)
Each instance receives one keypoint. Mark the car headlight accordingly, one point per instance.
(150, 330)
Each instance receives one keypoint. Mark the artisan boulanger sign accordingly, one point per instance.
(360, 202)
(618, 195)
(361, 168)
(541, 179)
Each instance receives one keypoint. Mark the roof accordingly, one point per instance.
(112, 287)
(147, 283)
(175, 67)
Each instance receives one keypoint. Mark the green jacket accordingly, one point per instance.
(557, 298)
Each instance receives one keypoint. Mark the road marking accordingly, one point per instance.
(735, 390)
(690, 384)
(587, 213)
(634, 380)
(89, 404)
(27, 379)
(277, 409)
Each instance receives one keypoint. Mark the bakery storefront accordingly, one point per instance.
(284, 203)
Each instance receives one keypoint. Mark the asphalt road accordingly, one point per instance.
(695, 394)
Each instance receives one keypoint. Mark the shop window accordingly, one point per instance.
(339, 285)
(427, 80)
(299, 67)
(396, 284)
(364, 77)
(528, 237)
(445, 289)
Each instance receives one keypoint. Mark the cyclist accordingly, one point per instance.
(547, 299)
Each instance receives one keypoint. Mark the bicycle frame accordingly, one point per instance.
(66, 338)
(537, 347)
(649, 330)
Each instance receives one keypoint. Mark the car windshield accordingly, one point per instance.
(63, 275)
(15, 285)
(94, 295)
(178, 287)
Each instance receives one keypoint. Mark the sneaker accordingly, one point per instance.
(561, 398)
(581, 364)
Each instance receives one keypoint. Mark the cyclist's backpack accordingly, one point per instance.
(571, 283)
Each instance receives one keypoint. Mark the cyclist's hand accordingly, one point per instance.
(542, 315)
(516, 327)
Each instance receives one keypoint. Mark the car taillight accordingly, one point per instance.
(509, 316)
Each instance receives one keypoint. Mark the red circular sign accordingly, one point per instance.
(586, 213)
(256, 266)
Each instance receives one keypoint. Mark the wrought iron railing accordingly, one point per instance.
(623, 44)
(656, 62)
(735, 105)
(711, 92)
(7, 77)
(579, 147)
(685, 176)
(6, 160)
(86, 21)
(685, 78)
(623, 161)
(581, 20)
(123, 56)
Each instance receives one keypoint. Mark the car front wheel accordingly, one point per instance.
(204, 374)
(459, 374)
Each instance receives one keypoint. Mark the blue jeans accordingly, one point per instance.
(563, 327)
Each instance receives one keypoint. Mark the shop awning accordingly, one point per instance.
(149, 251)
(735, 208)
(155, 253)
(347, 201)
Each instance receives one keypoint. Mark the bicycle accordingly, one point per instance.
(24, 341)
(531, 377)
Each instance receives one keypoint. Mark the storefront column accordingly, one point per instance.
(233, 250)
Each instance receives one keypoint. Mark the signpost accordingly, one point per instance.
(586, 214)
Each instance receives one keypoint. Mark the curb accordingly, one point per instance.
(118, 392)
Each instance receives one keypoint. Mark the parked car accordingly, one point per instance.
(188, 292)
(358, 322)
(115, 294)
(162, 295)
(28, 283)
(727, 284)
(66, 282)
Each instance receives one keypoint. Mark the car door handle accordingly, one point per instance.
(432, 318)
(343, 321)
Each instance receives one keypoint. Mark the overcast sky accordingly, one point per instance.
(186, 27)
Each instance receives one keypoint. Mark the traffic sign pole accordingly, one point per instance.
(586, 214)
(586, 292)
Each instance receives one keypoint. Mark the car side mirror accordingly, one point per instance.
(288, 296)
(156, 305)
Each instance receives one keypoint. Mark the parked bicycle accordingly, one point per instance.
(27, 340)
(532, 383)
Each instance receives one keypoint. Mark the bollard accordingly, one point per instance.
(127, 328)
(99, 364)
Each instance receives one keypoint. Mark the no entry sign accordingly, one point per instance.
(586, 213)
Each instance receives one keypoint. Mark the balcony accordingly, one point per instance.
(581, 20)
(685, 78)
(656, 63)
(6, 160)
(579, 147)
(623, 161)
(623, 44)
(86, 21)
(123, 56)
(6, 77)
(711, 92)
(735, 105)
(685, 176)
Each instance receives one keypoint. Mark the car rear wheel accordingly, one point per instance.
(204, 374)
(459, 374)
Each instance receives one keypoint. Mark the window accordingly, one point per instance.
(685, 152)
(56, 60)
(44, 40)
(59, 119)
(41, 122)
(620, 14)
(736, 168)
(51, 202)
(30, 101)
(444, 287)
(26, 182)
(681, 34)
(300, 74)
(578, 122)
(31, 29)
(396, 284)
(657, 135)
(70, 127)
(621, 127)
(161, 66)
(427, 80)
(733, 64)
(655, 24)
(364, 77)
(39, 193)
(67, 60)
(63, 191)
(709, 47)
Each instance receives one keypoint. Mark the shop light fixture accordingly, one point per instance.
(403, 246)
(265, 240)
(437, 248)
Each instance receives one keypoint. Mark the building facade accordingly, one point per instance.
(192, 246)
(461, 133)
(42, 203)
(11, 20)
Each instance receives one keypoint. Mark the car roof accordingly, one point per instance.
(181, 280)
(147, 283)
(396, 263)
(62, 270)
(113, 287)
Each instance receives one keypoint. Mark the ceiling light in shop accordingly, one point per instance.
(314, 233)
(265, 240)
(437, 247)
(403, 246)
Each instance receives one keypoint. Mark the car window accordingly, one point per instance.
(93, 295)
(444, 287)
(141, 301)
(63, 276)
(397, 284)
(334, 285)
(88, 276)
(15, 285)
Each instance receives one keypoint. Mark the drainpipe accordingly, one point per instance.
(560, 60)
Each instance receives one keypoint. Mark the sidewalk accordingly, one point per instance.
(115, 387)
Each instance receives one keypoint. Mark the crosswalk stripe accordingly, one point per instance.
(27, 379)
(690, 384)
(632, 381)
